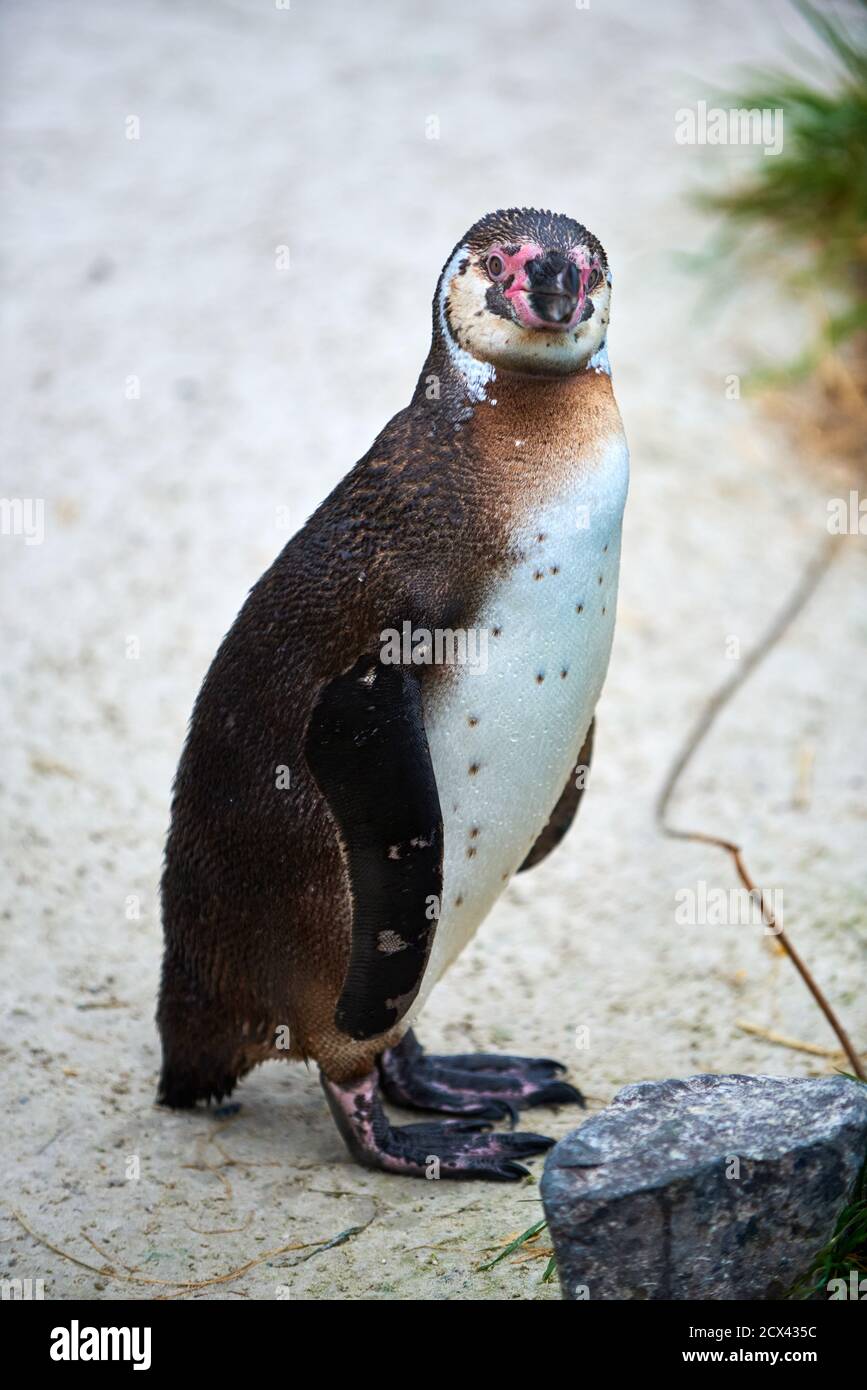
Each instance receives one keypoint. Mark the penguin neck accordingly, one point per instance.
(544, 427)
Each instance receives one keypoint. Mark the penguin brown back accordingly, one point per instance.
(351, 800)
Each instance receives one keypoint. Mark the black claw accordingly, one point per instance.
(525, 1143)
(510, 1112)
(551, 1067)
(512, 1172)
(499, 1110)
(557, 1093)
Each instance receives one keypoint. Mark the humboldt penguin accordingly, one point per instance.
(401, 718)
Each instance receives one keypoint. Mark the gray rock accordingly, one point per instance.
(716, 1187)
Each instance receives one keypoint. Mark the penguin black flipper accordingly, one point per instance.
(367, 748)
(566, 809)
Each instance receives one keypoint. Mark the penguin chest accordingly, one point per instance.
(505, 727)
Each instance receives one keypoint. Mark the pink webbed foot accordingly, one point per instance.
(444, 1149)
(479, 1085)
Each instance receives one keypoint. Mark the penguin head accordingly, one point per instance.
(524, 291)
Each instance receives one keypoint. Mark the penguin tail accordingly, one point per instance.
(181, 1089)
(196, 1067)
(203, 1057)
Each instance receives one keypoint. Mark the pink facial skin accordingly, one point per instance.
(519, 290)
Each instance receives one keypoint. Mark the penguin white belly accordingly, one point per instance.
(505, 735)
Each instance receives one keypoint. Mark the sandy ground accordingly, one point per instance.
(181, 404)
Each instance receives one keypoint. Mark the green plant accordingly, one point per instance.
(847, 1249)
(513, 1245)
(804, 210)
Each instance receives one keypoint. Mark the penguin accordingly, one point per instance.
(401, 719)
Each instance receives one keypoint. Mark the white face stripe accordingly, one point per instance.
(599, 361)
(474, 373)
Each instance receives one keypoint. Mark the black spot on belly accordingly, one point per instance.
(474, 832)
(540, 677)
(539, 574)
(555, 569)
(473, 769)
(471, 852)
(579, 607)
(600, 579)
(563, 674)
(472, 720)
(495, 631)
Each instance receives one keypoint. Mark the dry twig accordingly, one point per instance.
(814, 572)
(109, 1271)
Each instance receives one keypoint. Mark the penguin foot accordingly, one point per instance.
(483, 1085)
(448, 1149)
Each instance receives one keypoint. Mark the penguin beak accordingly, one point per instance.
(553, 289)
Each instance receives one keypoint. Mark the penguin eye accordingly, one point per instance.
(593, 279)
(495, 266)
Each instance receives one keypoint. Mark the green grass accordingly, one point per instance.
(802, 214)
(515, 1244)
(846, 1251)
